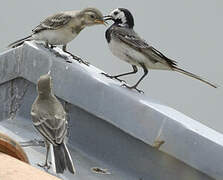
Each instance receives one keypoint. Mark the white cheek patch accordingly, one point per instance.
(120, 15)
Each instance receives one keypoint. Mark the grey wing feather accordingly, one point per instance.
(54, 129)
(53, 22)
(131, 38)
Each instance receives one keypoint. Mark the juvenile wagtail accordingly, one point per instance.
(63, 27)
(126, 44)
(49, 118)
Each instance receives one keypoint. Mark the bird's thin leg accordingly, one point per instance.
(47, 45)
(135, 70)
(135, 86)
(50, 47)
(45, 165)
(64, 48)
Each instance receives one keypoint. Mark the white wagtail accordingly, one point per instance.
(126, 44)
(49, 118)
(63, 27)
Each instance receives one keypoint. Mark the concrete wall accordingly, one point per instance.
(108, 124)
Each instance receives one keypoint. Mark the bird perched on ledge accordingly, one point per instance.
(126, 44)
(49, 118)
(63, 27)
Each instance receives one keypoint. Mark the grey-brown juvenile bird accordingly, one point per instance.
(63, 27)
(126, 44)
(49, 118)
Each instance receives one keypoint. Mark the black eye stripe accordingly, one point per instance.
(115, 13)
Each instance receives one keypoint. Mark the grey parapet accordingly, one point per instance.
(114, 133)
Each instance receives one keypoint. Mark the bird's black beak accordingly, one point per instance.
(108, 17)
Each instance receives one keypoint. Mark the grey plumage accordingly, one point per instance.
(49, 118)
(126, 44)
(53, 22)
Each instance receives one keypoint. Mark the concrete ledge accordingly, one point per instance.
(137, 115)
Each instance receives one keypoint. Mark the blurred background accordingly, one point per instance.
(187, 31)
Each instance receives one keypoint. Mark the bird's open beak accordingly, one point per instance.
(100, 21)
(108, 17)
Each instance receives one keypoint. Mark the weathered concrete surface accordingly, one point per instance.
(109, 123)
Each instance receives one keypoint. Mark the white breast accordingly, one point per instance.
(131, 56)
(56, 37)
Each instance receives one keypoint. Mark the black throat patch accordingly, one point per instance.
(108, 33)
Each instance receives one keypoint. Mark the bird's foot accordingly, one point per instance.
(45, 166)
(133, 87)
(46, 45)
(56, 53)
(49, 46)
(113, 77)
(62, 56)
(80, 60)
(77, 58)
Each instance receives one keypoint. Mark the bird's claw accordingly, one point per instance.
(122, 81)
(106, 74)
(114, 77)
(57, 54)
(133, 87)
(80, 60)
(77, 58)
(44, 166)
(46, 45)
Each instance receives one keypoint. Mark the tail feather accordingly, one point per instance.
(60, 161)
(63, 159)
(194, 76)
(69, 161)
(20, 42)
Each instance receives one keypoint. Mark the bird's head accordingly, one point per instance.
(121, 17)
(92, 16)
(44, 85)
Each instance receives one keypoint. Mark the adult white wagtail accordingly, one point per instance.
(126, 44)
(63, 27)
(49, 118)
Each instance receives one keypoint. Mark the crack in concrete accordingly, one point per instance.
(15, 98)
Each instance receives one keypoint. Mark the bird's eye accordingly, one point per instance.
(115, 13)
(92, 16)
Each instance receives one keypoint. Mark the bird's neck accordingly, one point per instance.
(45, 95)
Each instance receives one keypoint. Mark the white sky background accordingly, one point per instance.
(187, 31)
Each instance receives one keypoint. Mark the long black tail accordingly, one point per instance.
(20, 42)
(194, 76)
(63, 159)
